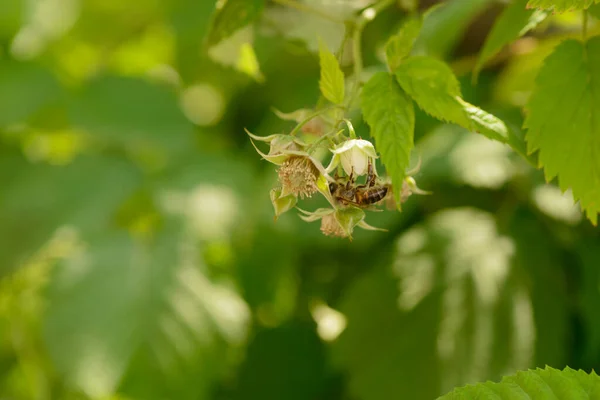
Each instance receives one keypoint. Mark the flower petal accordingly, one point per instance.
(335, 160)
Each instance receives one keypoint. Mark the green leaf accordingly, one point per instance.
(26, 89)
(589, 299)
(561, 5)
(299, 375)
(391, 116)
(142, 316)
(444, 26)
(546, 283)
(37, 199)
(446, 302)
(514, 22)
(332, 78)
(12, 16)
(400, 45)
(595, 11)
(133, 113)
(432, 84)
(538, 384)
(569, 105)
(230, 16)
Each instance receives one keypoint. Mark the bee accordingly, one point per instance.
(362, 196)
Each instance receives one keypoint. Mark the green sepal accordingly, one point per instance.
(282, 203)
(348, 218)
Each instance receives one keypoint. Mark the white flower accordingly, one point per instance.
(354, 155)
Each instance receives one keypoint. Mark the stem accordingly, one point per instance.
(313, 146)
(365, 17)
(350, 128)
(310, 10)
(584, 25)
(311, 116)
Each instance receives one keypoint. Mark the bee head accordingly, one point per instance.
(332, 187)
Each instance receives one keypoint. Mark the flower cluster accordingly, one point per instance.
(302, 175)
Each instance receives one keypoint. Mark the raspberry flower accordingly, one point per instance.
(340, 222)
(354, 155)
(299, 173)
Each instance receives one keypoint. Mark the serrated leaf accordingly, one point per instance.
(561, 5)
(564, 111)
(538, 384)
(433, 86)
(514, 22)
(230, 16)
(400, 45)
(332, 78)
(391, 116)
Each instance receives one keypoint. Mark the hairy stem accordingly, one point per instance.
(310, 10)
(365, 17)
(311, 116)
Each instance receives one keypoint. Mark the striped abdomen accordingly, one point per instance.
(371, 195)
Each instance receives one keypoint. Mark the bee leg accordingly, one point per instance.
(371, 175)
(350, 180)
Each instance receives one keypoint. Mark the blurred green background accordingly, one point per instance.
(138, 254)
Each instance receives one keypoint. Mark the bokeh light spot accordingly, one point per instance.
(203, 104)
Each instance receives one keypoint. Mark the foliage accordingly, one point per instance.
(561, 5)
(390, 114)
(515, 21)
(139, 258)
(555, 107)
(540, 384)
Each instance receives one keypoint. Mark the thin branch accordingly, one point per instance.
(311, 116)
(365, 17)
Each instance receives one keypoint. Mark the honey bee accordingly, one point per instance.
(362, 196)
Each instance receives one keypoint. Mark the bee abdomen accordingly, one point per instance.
(374, 195)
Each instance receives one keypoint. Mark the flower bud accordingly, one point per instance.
(354, 155)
